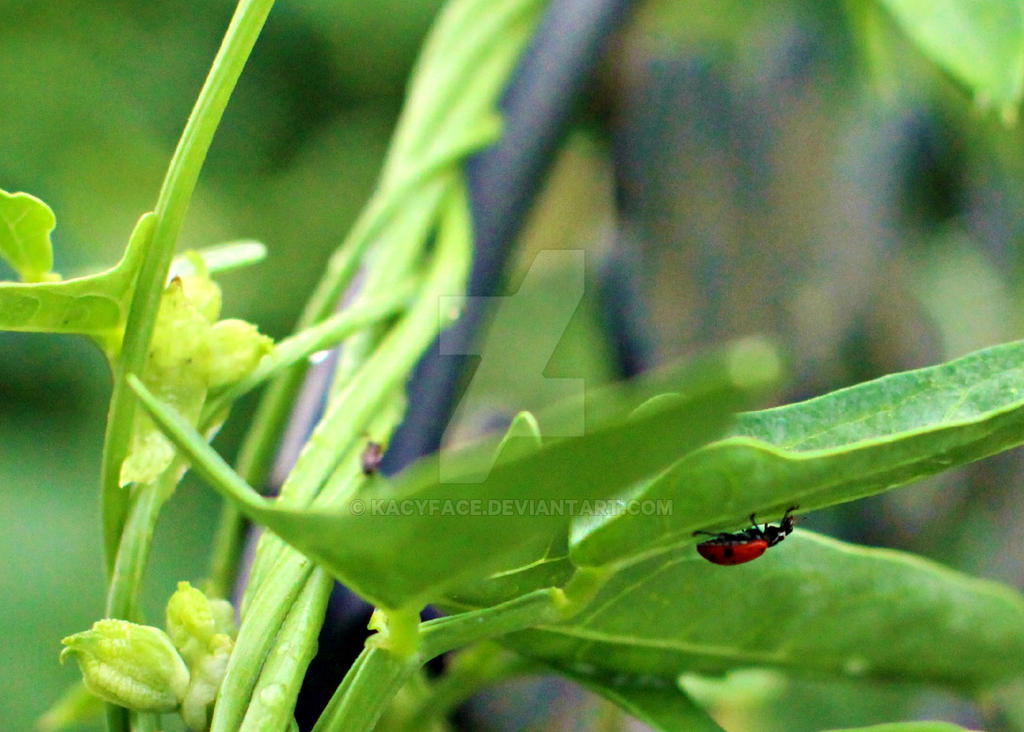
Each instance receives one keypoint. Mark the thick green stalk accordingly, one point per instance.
(471, 671)
(539, 607)
(257, 451)
(374, 385)
(271, 705)
(255, 638)
(367, 690)
(171, 205)
(373, 681)
(133, 552)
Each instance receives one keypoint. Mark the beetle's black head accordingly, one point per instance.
(774, 534)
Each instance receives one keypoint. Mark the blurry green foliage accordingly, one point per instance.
(800, 199)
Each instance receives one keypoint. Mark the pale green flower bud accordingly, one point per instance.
(224, 617)
(178, 352)
(197, 628)
(190, 622)
(176, 372)
(203, 294)
(207, 675)
(128, 664)
(235, 348)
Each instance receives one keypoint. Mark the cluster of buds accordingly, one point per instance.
(191, 353)
(145, 669)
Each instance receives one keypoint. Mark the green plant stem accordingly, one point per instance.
(273, 698)
(378, 678)
(366, 691)
(172, 203)
(255, 638)
(145, 722)
(373, 386)
(540, 607)
(257, 451)
(133, 552)
(116, 717)
(384, 667)
(473, 670)
(397, 255)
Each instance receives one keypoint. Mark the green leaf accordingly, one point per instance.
(401, 544)
(907, 727)
(980, 43)
(25, 226)
(845, 445)
(811, 604)
(658, 704)
(95, 305)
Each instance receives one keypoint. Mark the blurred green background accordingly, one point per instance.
(791, 168)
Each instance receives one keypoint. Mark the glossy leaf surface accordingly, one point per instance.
(402, 543)
(811, 604)
(845, 445)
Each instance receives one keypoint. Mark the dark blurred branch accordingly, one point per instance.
(504, 180)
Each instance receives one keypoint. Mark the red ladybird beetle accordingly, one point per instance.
(743, 546)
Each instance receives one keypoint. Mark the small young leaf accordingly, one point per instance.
(25, 226)
(811, 604)
(851, 443)
(981, 43)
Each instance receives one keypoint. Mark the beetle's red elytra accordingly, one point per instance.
(744, 546)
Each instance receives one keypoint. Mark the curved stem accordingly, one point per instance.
(285, 666)
(259, 628)
(133, 552)
(172, 203)
(384, 666)
(470, 672)
(367, 690)
(539, 607)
